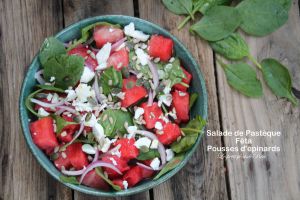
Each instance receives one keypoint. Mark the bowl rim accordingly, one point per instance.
(140, 188)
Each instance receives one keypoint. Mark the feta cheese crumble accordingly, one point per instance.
(154, 144)
(87, 148)
(83, 91)
(87, 75)
(158, 126)
(71, 95)
(138, 112)
(129, 30)
(170, 154)
(125, 184)
(103, 55)
(142, 142)
(42, 112)
(155, 164)
(142, 56)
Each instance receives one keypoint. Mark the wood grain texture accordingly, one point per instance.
(77, 10)
(277, 176)
(23, 27)
(203, 177)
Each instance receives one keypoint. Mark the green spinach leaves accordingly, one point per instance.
(110, 79)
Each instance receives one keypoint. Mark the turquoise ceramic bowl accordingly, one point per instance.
(72, 32)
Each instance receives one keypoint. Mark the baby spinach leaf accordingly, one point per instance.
(110, 79)
(69, 179)
(208, 4)
(50, 48)
(243, 78)
(66, 69)
(193, 98)
(172, 164)
(100, 173)
(261, 18)
(191, 131)
(152, 153)
(232, 47)
(179, 7)
(60, 123)
(218, 23)
(50, 88)
(278, 79)
(29, 105)
(285, 3)
(86, 32)
(173, 72)
(113, 121)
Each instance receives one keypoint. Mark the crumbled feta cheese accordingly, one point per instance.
(130, 31)
(166, 99)
(87, 148)
(49, 97)
(87, 75)
(81, 107)
(142, 142)
(155, 164)
(167, 90)
(131, 130)
(42, 112)
(91, 122)
(63, 134)
(52, 78)
(154, 144)
(98, 132)
(161, 74)
(114, 162)
(170, 154)
(83, 91)
(106, 145)
(158, 126)
(55, 98)
(138, 112)
(172, 59)
(142, 56)
(115, 151)
(156, 60)
(125, 184)
(103, 55)
(71, 95)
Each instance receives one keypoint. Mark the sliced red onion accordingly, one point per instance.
(73, 173)
(96, 89)
(144, 166)
(98, 164)
(38, 77)
(117, 44)
(161, 148)
(65, 108)
(60, 111)
(77, 134)
(150, 98)
(46, 105)
(154, 71)
(96, 157)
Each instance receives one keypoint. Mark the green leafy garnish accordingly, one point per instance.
(51, 47)
(169, 166)
(107, 180)
(278, 79)
(50, 88)
(173, 72)
(29, 105)
(179, 6)
(69, 179)
(193, 98)
(243, 78)
(60, 123)
(218, 23)
(152, 153)
(113, 121)
(66, 69)
(261, 18)
(191, 131)
(86, 32)
(110, 78)
(232, 47)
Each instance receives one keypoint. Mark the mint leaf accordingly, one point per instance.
(69, 179)
(66, 69)
(110, 78)
(173, 72)
(50, 88)
(50, 48)
(169, 166)
(179, 7)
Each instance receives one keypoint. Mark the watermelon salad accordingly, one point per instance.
(111, 109)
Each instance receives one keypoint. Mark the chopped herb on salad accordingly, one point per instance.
(112, 108)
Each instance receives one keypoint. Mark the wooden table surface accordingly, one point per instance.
(24, 24)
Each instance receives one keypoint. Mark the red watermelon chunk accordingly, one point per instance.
(42, 132)
(62, 161)
(119, 59)
(146, 173)
(66, 135)
(121, 164)
(169, 134)
(181, 101)
(76, 156)
(105, 34)
(133, 176)
(128, 150)
(82, 51)
(92, 179)
(186, 80)
(151, 114)
(119, 182)
(161, 47)
(133, 93)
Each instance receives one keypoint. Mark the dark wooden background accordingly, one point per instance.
(24, 24)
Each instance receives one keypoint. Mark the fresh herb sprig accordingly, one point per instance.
(219, 25)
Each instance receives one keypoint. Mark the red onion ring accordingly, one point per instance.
(96, 157)
(96, 89)
(39, 78)
(117, 44)
(150, 98)
(161, 148)
(154, 71)
(98, 164)
(77, 134)
(46, 105)
(144, 166)
(73, 173)
(65, 108)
